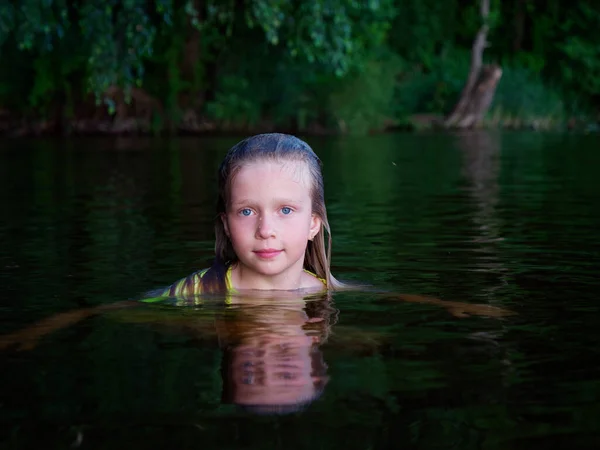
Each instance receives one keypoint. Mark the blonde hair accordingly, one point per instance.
(274, 147)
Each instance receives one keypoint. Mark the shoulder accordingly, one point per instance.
(190, 285)
(311, 281)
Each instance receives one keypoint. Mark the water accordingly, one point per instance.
(508, 220)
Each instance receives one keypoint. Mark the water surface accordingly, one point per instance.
(508, 220)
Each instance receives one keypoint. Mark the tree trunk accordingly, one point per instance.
(519, 26)
(478, 93)
(192, 98)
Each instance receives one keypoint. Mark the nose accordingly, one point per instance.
(265, 228)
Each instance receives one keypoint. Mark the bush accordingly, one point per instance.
(522, 94)
(435, 90)
(364, 101)
(234, 105)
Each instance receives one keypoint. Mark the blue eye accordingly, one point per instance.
(246, 212)
(285, 210)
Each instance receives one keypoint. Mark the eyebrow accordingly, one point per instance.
(280, 201)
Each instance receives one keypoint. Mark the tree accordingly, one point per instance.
(118, 37)
(478, 92)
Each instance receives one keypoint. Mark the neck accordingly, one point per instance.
(245, 279)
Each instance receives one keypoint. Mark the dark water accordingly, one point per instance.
(509, 220)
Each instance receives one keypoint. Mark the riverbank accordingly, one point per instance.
(102, 124)
(425, 122)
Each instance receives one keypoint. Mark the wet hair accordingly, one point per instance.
(280, 148)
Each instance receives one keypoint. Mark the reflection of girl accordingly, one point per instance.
(271, 358)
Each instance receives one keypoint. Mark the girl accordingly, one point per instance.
(271, 222)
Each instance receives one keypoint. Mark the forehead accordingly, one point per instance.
(272, 174)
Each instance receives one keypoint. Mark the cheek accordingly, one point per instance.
(238, 229)
(301, 229)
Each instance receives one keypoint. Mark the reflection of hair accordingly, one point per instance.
(242, 321)
(274, 147)
(320, 309)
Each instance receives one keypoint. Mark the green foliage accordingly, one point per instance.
(7, 21)
(363, 101)
(420, 27)
(558, 40)
(117, 36)
(234, 105)
(294, 63)
(529, 61)
(330, 33)
(434, 90)
(581, 50)
(521, 93)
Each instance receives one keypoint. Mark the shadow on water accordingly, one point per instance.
(503, 219)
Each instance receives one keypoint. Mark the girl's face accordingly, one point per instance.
(269, 222)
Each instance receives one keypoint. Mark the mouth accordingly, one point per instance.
(267, 253)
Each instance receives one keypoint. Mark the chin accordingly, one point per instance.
(269, 269)
(269, 272)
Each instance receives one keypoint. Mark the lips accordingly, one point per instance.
(267, 253)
